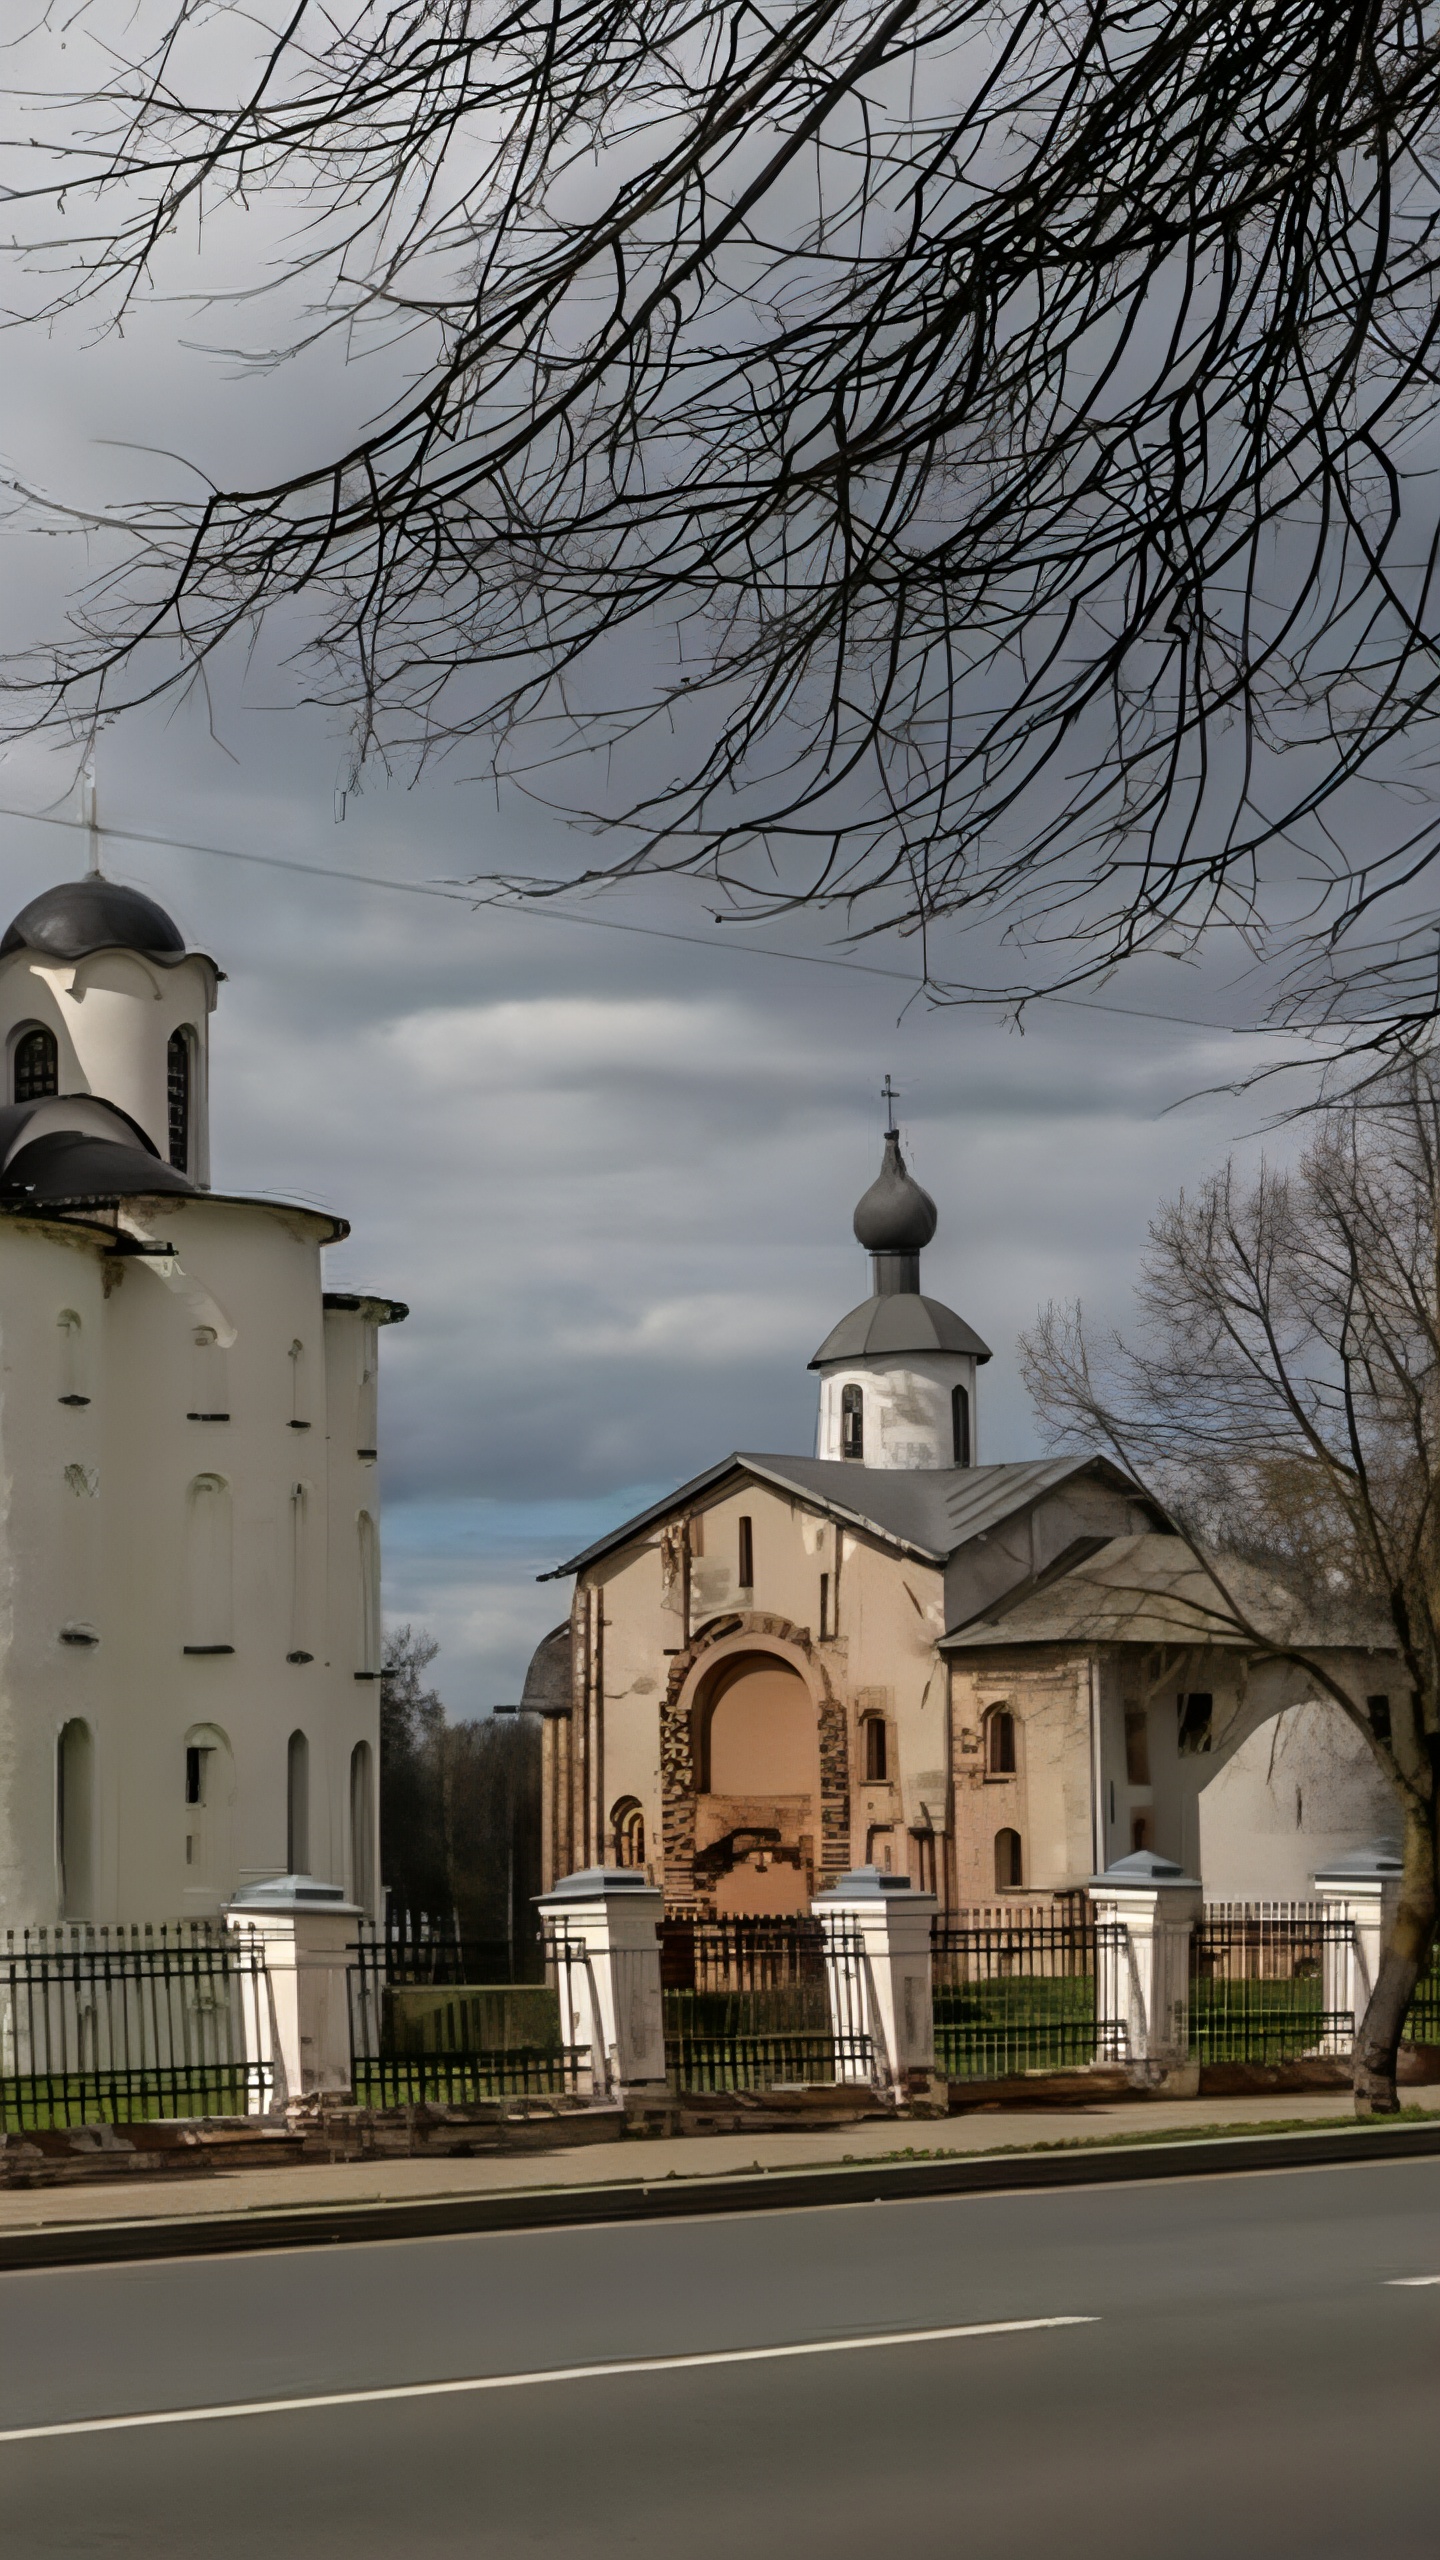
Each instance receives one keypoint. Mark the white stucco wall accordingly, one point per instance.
(100, 1553)
(907, 1408)
(1302, 1791)
(112, 1015)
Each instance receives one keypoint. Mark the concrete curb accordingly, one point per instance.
(753, 2191)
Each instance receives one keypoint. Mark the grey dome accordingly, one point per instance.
(905, 1322)
(80, 916)
(895, 1216)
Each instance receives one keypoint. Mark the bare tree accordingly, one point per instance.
(413, 1854)
(989, 447)
(1282, 1398)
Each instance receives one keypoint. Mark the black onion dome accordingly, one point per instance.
(80, 916)
(895, 1216)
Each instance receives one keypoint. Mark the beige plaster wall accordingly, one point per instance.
(1048, 1800)
(883, 1613)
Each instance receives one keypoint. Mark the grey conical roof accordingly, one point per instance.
(895, 1215)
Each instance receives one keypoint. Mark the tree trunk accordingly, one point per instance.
(1406, 1955)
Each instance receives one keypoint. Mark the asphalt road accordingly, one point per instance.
(1244, 2375)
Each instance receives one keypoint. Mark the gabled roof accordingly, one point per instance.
(923, 1511)
(1152, 1590)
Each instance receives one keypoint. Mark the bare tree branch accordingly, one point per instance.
(997, 440)
(1281, 1397)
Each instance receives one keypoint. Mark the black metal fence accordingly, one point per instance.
(762, 2003)
(120, 2025)
(1015, 1989)
(1422, 2024)
(429, 1946)
(441, 2018)
(1271, 1982)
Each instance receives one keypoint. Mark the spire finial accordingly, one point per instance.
(890, 1095)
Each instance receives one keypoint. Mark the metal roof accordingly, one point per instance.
(926, 1511)
(77, 917)
(903, 1321)
(1153, 1590)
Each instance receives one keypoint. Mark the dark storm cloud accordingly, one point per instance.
(612, 1175)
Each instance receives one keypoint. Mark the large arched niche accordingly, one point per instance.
(755, 1770)
(755, 1729)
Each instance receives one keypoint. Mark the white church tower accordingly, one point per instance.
(189, 1512)
(898, 1375)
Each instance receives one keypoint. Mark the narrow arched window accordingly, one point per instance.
(369, 1598)
(36, 1064)
(74, 1820)
(367, 1418)
(1009, 1862)
(209, 1610)
(71, 1389)
(1000, 1743)
(297, 1805)
(960, 1424)
(852, 1423)
(179, 1077)
(877, 1755)
(627, 1830)
(301, 1646)
(362, 1827)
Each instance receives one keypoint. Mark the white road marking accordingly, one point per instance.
(546, 2373)
(1412, 2279)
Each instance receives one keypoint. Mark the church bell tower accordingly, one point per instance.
(898, 1374)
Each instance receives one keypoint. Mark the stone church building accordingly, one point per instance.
(189, 1519)
(992, 1678)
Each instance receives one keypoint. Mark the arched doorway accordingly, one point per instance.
(757, 1762)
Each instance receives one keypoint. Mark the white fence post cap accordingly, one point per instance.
(1144, 1871)
(293, 1893)
(600, 1884)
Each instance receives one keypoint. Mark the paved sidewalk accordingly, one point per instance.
(235, 2193)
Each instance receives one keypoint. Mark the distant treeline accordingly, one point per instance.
(459, 1805)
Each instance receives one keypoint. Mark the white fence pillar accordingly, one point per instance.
(1361, 1890)
(1146, 1908)
(305, 1930)
(877, 1962)
(601, 1934)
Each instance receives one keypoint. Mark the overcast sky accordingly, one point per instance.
(611, 1173)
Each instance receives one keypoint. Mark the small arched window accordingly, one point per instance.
(72, 1381)
(627, 1830)
(369, 1628)
(36, 1064)
(74, 1820)
(960, 1423)
(179, 1077)
(209, 1610)
(1009, 1862)
(301, 1646)
(999, 1743)
(367, 1429)
(362, 1827)
(297, 1805)
(852, 1423)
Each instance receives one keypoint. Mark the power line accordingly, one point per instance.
(461, 896)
